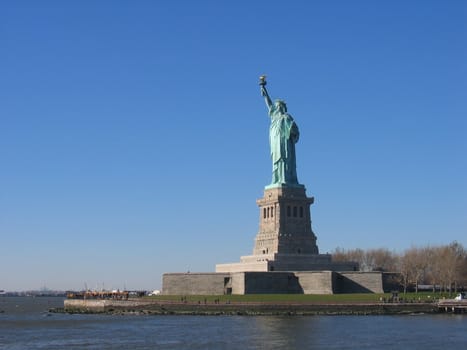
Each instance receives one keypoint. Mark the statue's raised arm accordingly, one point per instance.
(264, 92)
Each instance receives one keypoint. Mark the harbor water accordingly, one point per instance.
(25, 323)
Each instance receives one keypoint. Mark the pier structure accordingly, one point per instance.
(452, 305)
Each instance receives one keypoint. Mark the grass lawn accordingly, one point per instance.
(302, 298)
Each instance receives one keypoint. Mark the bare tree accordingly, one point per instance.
(444, 266)
(356, 255)
(452, 263)
(414, 266)
(383, 260)
(404, 268)
(434, 270)
(380, 259)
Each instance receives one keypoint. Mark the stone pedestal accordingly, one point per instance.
(285, 222)
(285, 240)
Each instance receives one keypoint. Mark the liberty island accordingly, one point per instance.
(285, 260)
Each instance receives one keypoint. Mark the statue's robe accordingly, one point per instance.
(283, 134)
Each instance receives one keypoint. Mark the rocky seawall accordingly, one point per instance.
(151, 307)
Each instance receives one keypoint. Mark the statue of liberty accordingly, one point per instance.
(283, 135)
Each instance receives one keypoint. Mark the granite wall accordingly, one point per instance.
(358, 282)
(299, 282)
(195, 283)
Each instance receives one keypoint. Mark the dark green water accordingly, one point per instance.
(25, 324)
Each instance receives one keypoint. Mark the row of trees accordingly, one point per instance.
(442, 267)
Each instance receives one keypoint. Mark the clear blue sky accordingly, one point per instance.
(134, 140)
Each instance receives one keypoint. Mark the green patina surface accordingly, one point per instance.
(283, 135)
